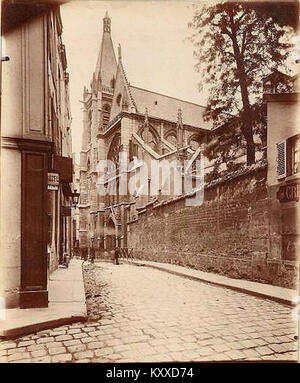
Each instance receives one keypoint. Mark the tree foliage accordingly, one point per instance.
(236, 45)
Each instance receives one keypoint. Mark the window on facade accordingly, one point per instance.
(194, 145)
(172, 139)
(297, 156)
(149, 138)
(293, 152)
(194, 142)
(106, 114)
(114, 149)
(288, 157)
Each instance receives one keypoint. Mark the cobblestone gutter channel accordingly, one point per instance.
(95, 292)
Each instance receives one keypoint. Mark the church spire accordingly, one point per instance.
(106, 23)
(106, 67)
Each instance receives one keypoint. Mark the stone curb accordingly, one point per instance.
(63, 308)
(32, 328)
(241, 289)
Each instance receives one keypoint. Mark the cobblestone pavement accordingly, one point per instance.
(155, 316)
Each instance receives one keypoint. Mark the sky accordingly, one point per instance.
(156, 52)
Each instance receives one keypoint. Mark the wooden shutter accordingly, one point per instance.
(281, 159)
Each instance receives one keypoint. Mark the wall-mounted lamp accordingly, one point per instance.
(75, 198)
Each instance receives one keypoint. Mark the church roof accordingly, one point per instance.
(166, 107)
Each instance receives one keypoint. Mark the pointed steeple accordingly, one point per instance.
(106, 23)
(106, 66)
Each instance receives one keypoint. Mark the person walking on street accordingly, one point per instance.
(117, 255)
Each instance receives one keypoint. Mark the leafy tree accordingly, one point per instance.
(236, 45)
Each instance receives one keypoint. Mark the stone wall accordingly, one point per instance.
(228, 234)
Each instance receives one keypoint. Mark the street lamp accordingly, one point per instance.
(75, 198)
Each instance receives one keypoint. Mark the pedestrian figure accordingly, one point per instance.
(84, 254)
(92, 254)
(116, 256)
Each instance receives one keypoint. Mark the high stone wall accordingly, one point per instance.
(228, 234)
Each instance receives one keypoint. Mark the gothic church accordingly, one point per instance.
(118, 117)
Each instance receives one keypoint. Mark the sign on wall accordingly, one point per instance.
(290, 192)
(53, 181)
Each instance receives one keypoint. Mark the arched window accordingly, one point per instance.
(114, 149)
(149, 137)
(106, 114)
(172, 139)
(194, 142)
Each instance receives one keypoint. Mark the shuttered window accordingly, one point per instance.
(281, 159)
(292, 155)
(296, 155)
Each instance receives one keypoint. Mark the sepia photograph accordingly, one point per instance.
(149, 184)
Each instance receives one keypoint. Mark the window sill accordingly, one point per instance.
(293, 177)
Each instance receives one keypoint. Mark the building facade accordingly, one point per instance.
(283, 153)
(145, 125)
(36, 155)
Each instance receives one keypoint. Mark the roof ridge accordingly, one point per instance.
(165, 95)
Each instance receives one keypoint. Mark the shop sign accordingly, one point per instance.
(288, 193)
(53, 181)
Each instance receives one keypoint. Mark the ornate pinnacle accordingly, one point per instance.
(106, 23)
(146, 127)
(179, 117)
(119, 52)
(146, 116)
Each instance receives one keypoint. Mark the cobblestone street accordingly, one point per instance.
(152, 316)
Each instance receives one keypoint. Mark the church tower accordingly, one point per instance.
(97, 101)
